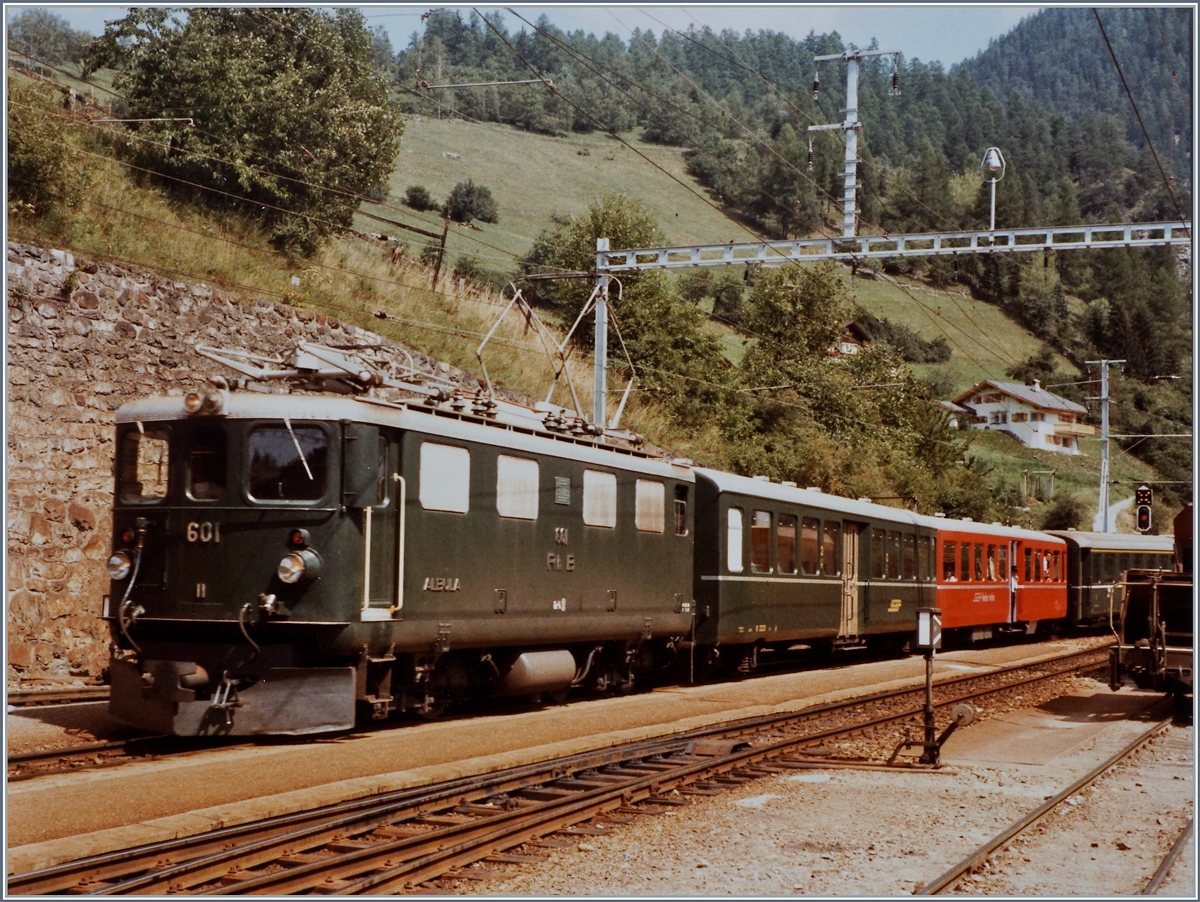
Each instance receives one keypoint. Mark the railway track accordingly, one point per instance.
(948, 880)
(29, 698)
(396, 841)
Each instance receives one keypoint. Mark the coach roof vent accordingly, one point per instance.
(762, 478)
(940, 514)
(788, 483)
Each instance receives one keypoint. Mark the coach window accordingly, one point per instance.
(910, 556)
(206, 465)
(809, 550)
(831, 549)
(1028, 565)
(599, 498)
(893, 555)
(681, 493)
(733, 540)
(1057, 568)
(949, 568)
(964, 560)
(144, 459)
(649, 505)
(1002, 552)
(991, 563)
(445, 478)
(785, 543)
(878, 556)
(978, 563)
(760, 542)
(516, 487)
(288, 463)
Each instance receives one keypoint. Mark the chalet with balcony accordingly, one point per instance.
(1033, 416)
(852, 340)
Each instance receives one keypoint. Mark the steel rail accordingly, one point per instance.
(26, 698)
(209, 856)
(1165, 867)
(981, 854)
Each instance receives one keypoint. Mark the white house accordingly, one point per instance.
(1032, 415)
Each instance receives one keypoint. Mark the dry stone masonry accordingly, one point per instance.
(83, 338)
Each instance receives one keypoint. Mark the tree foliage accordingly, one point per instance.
(469, 201)
(43, 175)
(46, 37)
(290, 119)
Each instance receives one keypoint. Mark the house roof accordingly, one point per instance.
(1033, 395)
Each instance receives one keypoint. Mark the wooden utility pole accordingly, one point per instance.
(441, 251)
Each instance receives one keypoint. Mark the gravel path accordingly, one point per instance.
(866, 832)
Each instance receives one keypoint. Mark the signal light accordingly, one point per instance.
(1143, 495)
(1143, 517)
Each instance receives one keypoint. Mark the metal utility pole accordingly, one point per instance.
(600, 383)
(1103, 399)
(850, 126)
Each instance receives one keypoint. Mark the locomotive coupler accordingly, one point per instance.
(225, 698)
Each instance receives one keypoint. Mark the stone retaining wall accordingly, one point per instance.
(84, 337)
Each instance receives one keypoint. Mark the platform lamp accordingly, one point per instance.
(929, 640)
(993, 168)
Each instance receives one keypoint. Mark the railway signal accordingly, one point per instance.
(1143, 497)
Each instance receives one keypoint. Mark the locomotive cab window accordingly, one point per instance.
(649, 505)
(733, 539)
(144, 459)
(445, 478)
(516, 487)
(681, 527)
(206, 465)
(288, 463)
(599, 498)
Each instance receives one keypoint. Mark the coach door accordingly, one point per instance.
(1012, 578)
(849, 620)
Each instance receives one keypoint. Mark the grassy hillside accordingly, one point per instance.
(127, 220)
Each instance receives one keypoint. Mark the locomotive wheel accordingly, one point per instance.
(557, 697)
(435, 712)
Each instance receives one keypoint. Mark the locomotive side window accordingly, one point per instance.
(893, 554)
(206, 465)
(949, 570)
(733, 541)
(785, 543)
(760, 542)
(831, 547)
(649, 505)
(910, 556)
(144, 459)
(516, 487)
(288, 463)
(445, 478)
(599, 498)
(878, 559)
(809, 551)
(681, 493)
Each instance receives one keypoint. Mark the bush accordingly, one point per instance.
(469, 201)
(42, 178)
(419, 198)
(1068, 512)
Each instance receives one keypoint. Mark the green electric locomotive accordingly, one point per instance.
(285, 560)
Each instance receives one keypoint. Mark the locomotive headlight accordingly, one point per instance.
(298, 566)
(119, 566)
(193, 401)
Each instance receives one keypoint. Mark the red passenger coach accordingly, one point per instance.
(999, 577)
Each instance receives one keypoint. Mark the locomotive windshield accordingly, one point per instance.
(288, 463)
(206, 465)
(144, 458)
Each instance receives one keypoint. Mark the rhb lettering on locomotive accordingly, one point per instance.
(561, 535)
(203, 532)
(556, 562)
(441, 584)
(559, 604)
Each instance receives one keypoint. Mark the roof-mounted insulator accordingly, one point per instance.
(816, 84)
(955, 260)
(810, 154)
(895, 90)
